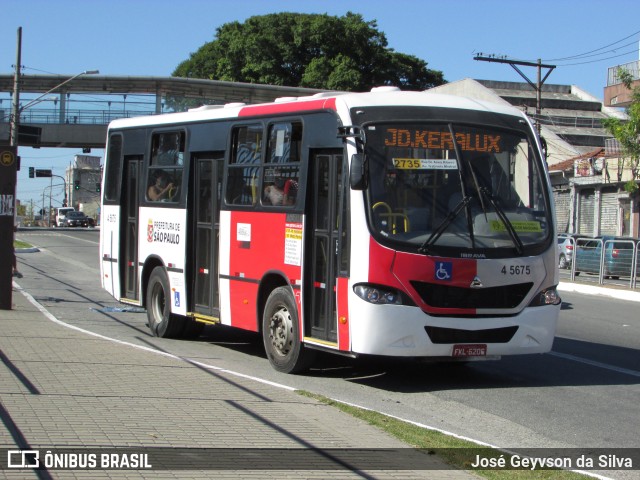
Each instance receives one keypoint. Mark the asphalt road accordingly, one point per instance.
(583, 394)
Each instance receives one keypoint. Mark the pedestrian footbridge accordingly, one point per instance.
(76, 114)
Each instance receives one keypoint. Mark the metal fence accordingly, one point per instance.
(633, 68)
(608, 257)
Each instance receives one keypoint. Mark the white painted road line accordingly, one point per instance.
(593, 363)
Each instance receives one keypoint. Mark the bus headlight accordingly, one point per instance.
(378, 295)
(546, 297)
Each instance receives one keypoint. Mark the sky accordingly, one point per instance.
(151, 37)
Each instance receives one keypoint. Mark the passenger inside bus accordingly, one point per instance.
(160, 187)
(273, 195)
(281, 192)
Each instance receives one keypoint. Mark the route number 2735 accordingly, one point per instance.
(516, 270)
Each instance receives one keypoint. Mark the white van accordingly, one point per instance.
(60, 214)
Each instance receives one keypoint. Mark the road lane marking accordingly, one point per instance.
(54, 319)
(593, 363)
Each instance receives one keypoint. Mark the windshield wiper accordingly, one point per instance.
(464, 203)
(505, 220)
(433, 238)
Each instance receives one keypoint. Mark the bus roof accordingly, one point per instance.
(337, 101)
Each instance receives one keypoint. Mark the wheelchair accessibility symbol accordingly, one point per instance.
(443, 270)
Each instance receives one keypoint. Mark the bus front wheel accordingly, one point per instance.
(161, 322)
(281, 333)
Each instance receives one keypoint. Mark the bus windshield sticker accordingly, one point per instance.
(518, 226)
(425, 163)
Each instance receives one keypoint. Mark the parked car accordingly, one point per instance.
(617, 260)
(566, 245)
(75, 219)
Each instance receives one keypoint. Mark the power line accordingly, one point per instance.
(613, 50)
(573, 57)
(601, 59)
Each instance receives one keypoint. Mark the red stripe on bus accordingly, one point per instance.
(342, 290)
(274, 108)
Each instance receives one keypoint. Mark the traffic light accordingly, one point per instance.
(32, 172)
(76, 184)
(98, 187)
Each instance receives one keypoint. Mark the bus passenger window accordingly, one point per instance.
(282, 172)
(244, 166)
(168, 149)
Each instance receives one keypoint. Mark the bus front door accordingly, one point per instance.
(129, 217)
(323, 265)
(208, 185)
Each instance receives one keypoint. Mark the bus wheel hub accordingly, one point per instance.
(281, 331)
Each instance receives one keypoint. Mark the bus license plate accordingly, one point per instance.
(477, 350)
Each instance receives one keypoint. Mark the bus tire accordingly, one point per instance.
(281, 333)
(161, 322)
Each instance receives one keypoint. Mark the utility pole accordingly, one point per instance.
(536, 86)
(15, 110)
(8, 179)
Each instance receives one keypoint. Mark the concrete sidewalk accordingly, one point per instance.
(66, 389)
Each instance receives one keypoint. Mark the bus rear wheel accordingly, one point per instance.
(281, 333)
(161, 322)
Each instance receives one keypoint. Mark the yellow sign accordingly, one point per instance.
(7, 158)
(518, 226)
(425, 164)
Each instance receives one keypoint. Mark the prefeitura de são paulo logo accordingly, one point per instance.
(163, 232)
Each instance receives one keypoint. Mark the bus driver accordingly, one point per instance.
(161, 188)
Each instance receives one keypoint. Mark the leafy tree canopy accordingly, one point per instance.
(307, 50)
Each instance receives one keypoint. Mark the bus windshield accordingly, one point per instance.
(435, 187)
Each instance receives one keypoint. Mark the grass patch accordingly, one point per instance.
(453, 451)
(21, 244)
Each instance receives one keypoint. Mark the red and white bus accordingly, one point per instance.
(403, 224)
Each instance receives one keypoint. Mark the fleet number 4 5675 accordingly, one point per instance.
(516, 270)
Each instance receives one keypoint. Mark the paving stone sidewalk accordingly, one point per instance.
(64, 391)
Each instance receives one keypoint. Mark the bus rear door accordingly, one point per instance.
(208, 186)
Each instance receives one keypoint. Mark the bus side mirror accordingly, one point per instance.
(543, 144)
(357, 177)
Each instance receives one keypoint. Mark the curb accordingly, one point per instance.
(630, 295)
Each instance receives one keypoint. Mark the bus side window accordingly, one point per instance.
(282, 171)
(244, 166)
(167, 149)
(166, 165)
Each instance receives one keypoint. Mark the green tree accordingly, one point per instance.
(307, 50)
(628, 132)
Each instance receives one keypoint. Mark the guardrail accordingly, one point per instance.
(73, 116)
(614, 258)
